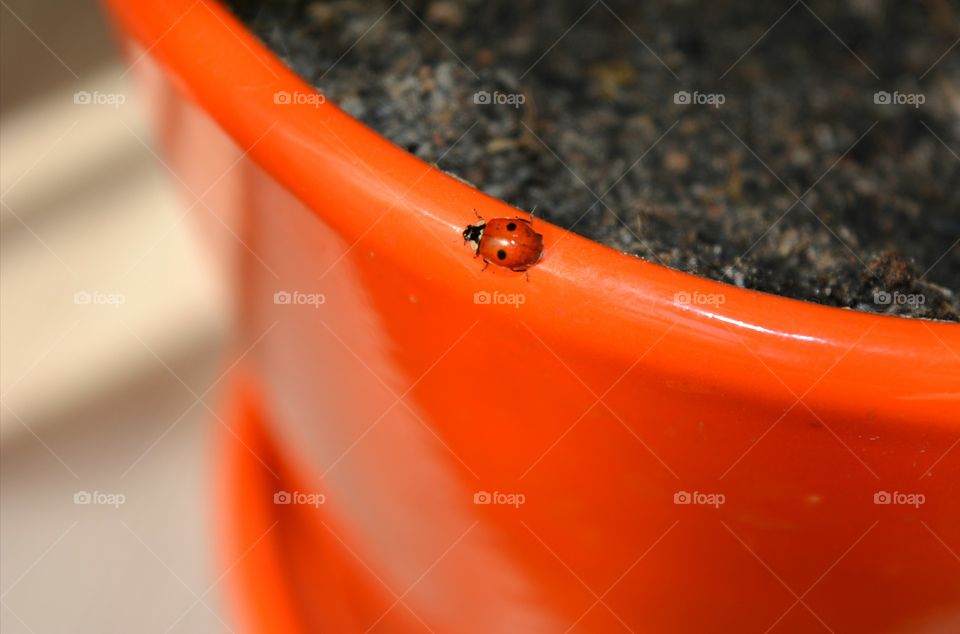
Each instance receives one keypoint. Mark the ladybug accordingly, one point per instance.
(508, 242)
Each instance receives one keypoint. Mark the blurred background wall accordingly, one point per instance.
(111, 325)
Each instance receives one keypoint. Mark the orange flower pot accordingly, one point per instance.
(417, 444)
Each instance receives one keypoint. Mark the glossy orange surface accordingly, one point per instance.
(609, 446)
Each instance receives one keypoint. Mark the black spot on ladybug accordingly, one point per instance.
(501, 254)
(512, 226)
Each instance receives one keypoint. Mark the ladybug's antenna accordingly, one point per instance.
(533, 212)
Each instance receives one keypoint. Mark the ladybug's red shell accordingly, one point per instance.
(508, 242)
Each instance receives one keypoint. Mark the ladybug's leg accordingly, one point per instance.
(486, 263)
(526, 272)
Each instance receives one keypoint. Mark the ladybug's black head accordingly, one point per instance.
(473, 233)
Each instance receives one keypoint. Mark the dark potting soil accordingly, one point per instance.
(808, 149)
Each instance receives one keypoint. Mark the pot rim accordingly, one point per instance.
(394, 206)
